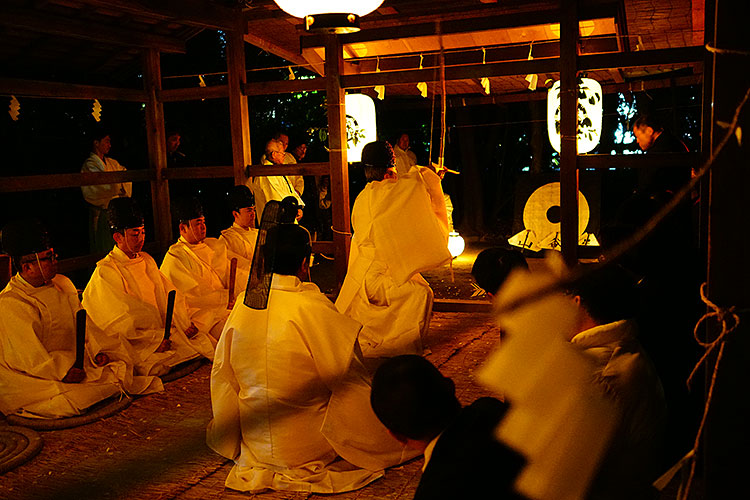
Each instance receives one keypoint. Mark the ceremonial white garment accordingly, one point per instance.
(100, 194)
(38, 347)
(404, 160)
(274, 187)
(201, 273)
(396, 235)
(629, 378)
(128, 297)
(290, 396)
(240, 243)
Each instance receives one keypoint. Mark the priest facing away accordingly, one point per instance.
(289, 391)
(399, 231)
(42, 372)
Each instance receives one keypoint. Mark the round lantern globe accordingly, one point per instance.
(302, 8)
(456, 244)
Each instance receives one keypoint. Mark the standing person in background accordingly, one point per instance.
(175, 157)
(98, 196)
(272, 187)
(405, 159)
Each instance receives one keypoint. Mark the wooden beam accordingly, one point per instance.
(550, 65)
(642, 58)
(156, 138)
(289, 169)
(275, 49)
(284, 86)
(219, 172)
(651, 160)
(238, 113)
(195, 93)
(57, 90)
(371, 30)
(25, 183)
(199, 13)
(325, 247)
(337, 156)
(569, 132)
(41, 22)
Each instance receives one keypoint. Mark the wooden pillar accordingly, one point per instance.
(157, 149)
(726, 438)
(337, 156)
(569, 131)
(238, 112)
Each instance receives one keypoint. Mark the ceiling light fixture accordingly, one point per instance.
(329, 16)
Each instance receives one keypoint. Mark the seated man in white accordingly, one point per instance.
(41, 373)
(241, 236)
(397, 234)
(289, 391)
(200, 268)
(127, 296)
(273, 187)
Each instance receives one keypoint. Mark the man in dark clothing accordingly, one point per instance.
(653, 138)
(463, 459)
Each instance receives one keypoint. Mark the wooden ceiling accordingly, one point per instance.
(102, 41)
(403, 35)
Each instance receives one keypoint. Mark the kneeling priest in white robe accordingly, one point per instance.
(241, 236)
(397, 234)
(42, 372)
(127, 295)
(200, 268)
(289, 392)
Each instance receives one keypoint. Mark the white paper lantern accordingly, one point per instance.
(589, 115)
(334, 16)
(361, 126)
(456, 244)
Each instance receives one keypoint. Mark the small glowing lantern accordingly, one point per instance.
(456, 244)
(330, 16)
(361, 127)
(589, 115)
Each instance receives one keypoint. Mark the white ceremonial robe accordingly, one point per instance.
(383, 289)
(273, 187)
(404, 160)
(38, 347)
(128, 297)
(627, 376)
(201, 273)
(100, 194)
(240, 243)
(290, 396)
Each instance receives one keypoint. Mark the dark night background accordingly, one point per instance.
(502, 151)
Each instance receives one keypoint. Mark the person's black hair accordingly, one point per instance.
(186, 209)
(291, 246)
(412, 398)
(377, 158)
(97, 132)
(608, 293)
(123, 213)
(24, 237)
(493, 265)
(240, 197)
(649, 120)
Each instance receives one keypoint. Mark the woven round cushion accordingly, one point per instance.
(100, 410)
(179, 371)
(17, 446)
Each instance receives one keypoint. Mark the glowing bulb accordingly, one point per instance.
(456, 244)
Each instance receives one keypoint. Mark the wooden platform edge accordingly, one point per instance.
(457, 305)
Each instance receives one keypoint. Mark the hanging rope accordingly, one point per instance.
(729, 321)
(443, 102)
